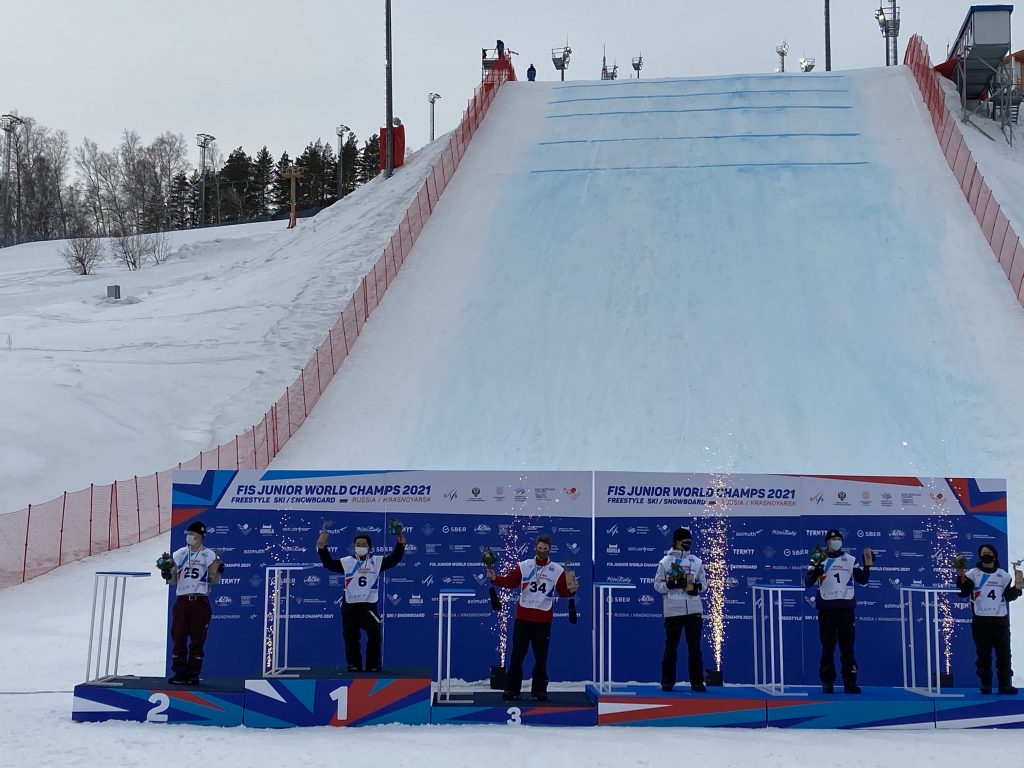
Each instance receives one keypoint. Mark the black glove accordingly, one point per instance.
(220, 565)
(671, 583)
(573, 616)
(166, 574)
(693, 589)
(495, 600)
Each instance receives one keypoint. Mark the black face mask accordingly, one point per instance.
(685, 545)
(987, 559)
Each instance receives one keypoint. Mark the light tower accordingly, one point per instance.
(560, 58)
(806, 64)
(638, 63)
(203, 140)
(606, 73)
(7, 125)
(783, 50)
(889, 24)
(432, 97)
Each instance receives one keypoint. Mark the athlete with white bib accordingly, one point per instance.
(990, 589)
(540, 582)
(195, 568)
(834, 572)
(680, 580)
(358, 608)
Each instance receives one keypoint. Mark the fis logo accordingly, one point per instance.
(452, 495)
(614, 530)
(818, 497)
(427, 580)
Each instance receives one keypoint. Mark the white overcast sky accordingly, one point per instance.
(283, 73)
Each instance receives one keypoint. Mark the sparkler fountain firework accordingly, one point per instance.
(716, 566)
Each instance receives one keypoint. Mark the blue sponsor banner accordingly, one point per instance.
(758, 530)
(262, 519)
(750, 530)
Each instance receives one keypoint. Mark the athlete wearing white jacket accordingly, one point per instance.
(680, 580)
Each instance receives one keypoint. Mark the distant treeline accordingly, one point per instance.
(59, 191)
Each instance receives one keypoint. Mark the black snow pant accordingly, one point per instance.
(992, 633)
(356, 618)
(675, 626)
(524, 635)
(836, 624)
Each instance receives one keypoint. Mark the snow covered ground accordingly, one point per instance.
(718, 274)
(196, 352)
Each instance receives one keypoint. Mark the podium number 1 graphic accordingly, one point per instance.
(340, 695)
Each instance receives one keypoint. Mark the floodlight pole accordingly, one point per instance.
(341, 130)
(828, 38)
(203, 140)
(889, 23)
(389, 131)
(432, 97)
(7, 125)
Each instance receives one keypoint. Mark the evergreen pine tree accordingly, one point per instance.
(349, 159)
(281, 192)
(262, 183)
(369, 160)
(178, 202)
(235, 177)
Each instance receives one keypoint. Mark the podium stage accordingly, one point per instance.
(805, 707)
(346, 699)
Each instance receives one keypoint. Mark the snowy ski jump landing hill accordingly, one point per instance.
(764, 273)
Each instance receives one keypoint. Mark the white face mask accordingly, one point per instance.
(835, 545)
(191, 538)
(362, 551)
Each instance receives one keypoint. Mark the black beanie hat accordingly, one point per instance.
(197, 527)
(369, 541)
(680, 534)
(833, 533)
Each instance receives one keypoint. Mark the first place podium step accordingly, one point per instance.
(338, 698)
